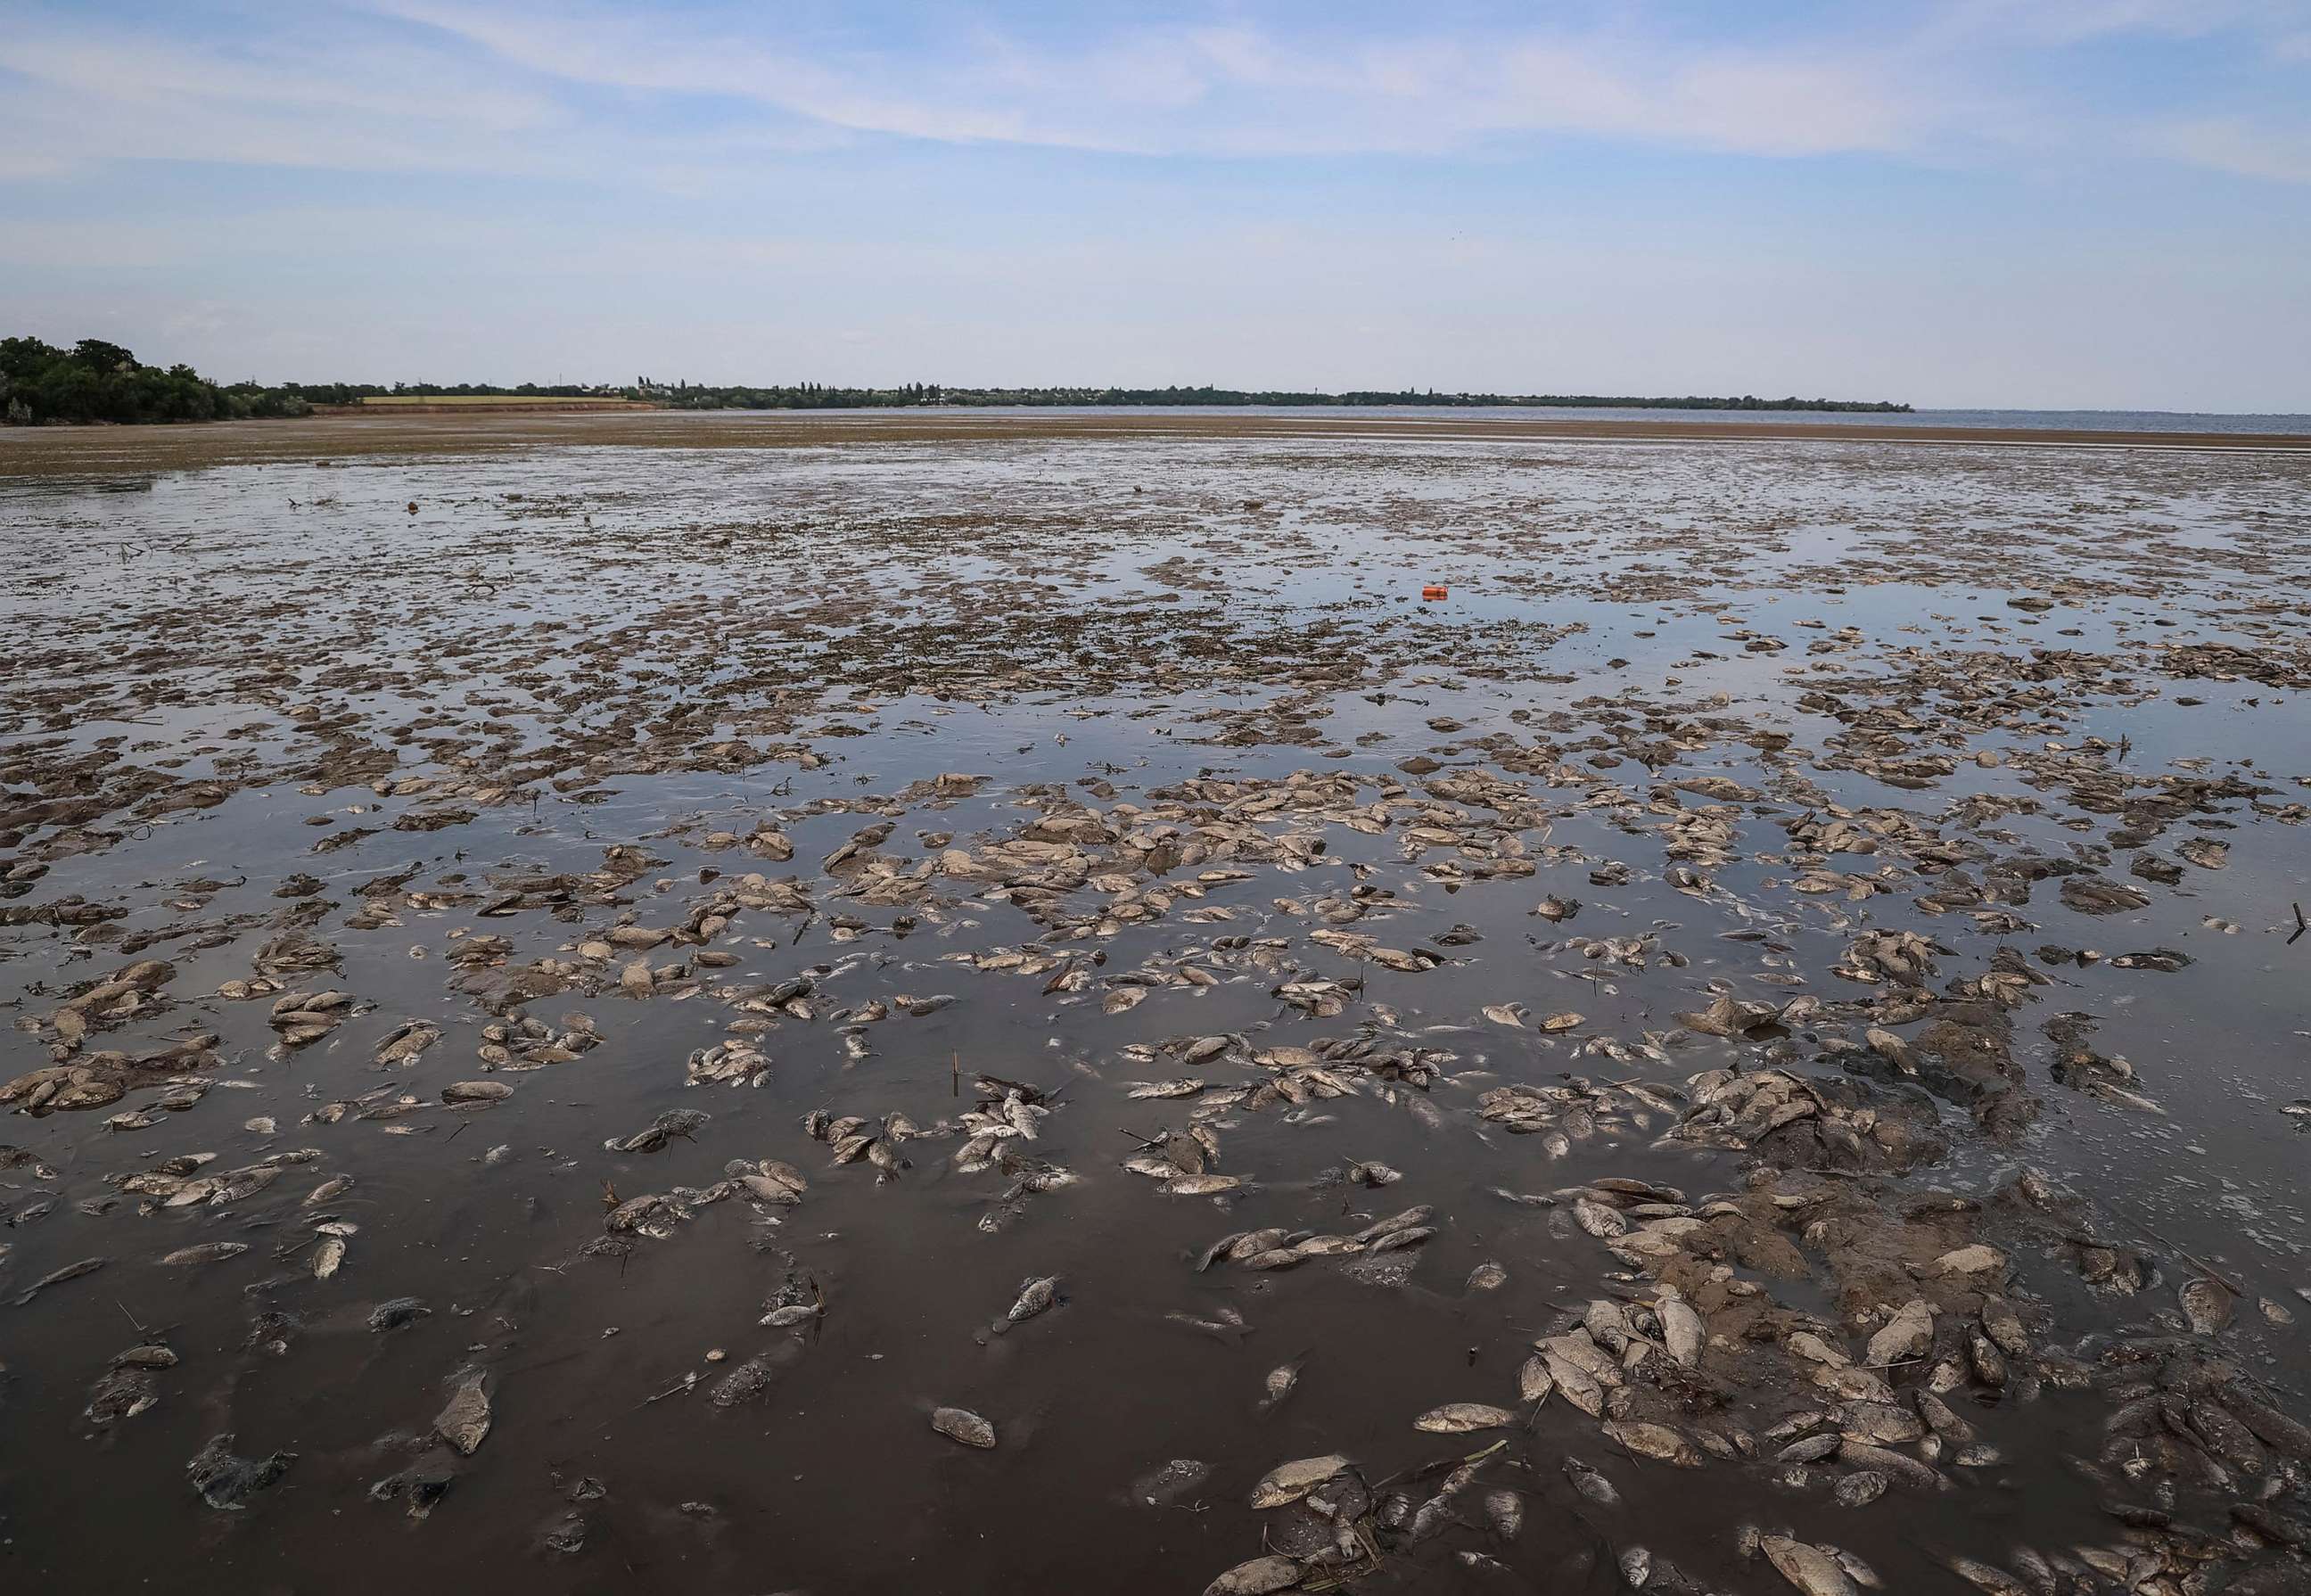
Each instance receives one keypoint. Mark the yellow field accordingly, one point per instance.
(385, 399)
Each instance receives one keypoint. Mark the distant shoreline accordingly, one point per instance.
(427, 398)
(97, 382)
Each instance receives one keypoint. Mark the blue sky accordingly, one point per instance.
(2096, 203)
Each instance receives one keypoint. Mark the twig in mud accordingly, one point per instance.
(132, 1318)
(2225, 1281)
(954, 1074)
(687, 1383)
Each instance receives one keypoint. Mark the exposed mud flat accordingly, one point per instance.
(1015, 1012)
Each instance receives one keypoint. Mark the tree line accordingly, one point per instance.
(97, 381)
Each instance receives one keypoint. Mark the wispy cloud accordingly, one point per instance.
(515, 85)
(1236, 89)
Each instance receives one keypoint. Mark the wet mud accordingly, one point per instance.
(1018, 1012)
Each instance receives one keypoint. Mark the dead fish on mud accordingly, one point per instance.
(962, 1424)
(1280, 1383)
(2207, 1304)
(1036, 1295)
(206, 1252)
(464, 1421)
(71, 1271)
(1288, 1482)
(1260, 1576)
(1457, 1418)
(226, 1482)
(1813, 1571)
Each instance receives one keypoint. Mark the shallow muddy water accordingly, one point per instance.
(715, 927)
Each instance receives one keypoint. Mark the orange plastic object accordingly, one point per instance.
(1435, 590)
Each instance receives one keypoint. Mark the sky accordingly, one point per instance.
(2095, 204)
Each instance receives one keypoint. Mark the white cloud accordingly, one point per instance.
(1239, 89)
(510, 86)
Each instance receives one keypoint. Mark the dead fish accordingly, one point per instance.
(1879, 1423)
(329, 1190)
(962, 1424)
(2207, 1304)
(1288, 1482)
(774, 1181)
(1396, 1239)
(225, 1481)
(1034, 1296)
(1608, 1324)
(206, 1252)
(476, 1092)
(1811, 1448)
(1199, 1185)
(1898, 1467)
(1575, 1383)
(1280, 1381)
(328, 1257)
(1657, 1442)
(1859, 1489)
(1262, 1576)
(1807, 1568)
(1943, 1420)
(1682, 1329)
(1598, 1220)
(1225, 1323)
(1982, 1577)
(396, 1312)
(1487, 1276)
(464, 1421)
(1907, 1335)
(1988, 1363)
(1225, 1248)
(1457, 1418)
(1591, 1484)
(1410, 1219)
(1637, 1565)
(71, 1271)
(1534, 1382)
